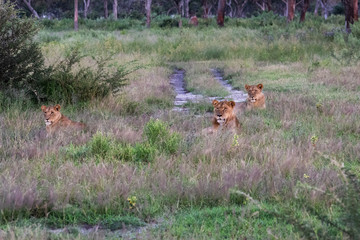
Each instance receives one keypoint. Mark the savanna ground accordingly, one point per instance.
(287, 175)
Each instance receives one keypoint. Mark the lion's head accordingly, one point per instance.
(254, 92)
(223, 110)
(51, 114)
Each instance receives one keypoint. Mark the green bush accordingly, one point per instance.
(159, 136)
(143, 152)
(69, 82)
(21, 61)
(100, 145)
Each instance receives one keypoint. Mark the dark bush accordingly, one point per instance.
(21, 61)
(69, 82)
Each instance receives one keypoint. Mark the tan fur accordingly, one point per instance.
(193, 21)
(256, 98)
(224, 115)
(56, 121)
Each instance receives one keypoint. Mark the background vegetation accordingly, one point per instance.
(292, 173)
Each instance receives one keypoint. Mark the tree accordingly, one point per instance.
(106, 10)
(356, 10)
(76, 15)
(148, 12)
(304, 9)
(21, 60)
(86, 7)
(291, 9)
(115, 9)
(32, 10)
(178, 5)
(264, 5)
(206, 8)
(221, 13)
(349, 14)
(186, 8)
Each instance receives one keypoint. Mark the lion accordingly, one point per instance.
(194, 21)
(256, 98)
(55, 121)
(224, 115)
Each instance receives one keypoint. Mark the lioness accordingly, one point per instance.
(224, 115)
(256, 98)
(54, 120)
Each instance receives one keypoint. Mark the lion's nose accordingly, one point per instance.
(219, 115)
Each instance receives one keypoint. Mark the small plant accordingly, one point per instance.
(100, 145)
(159, 136)
(319, 107)
(235, 142)
(143, 152)
(132, 202)
(314, 140)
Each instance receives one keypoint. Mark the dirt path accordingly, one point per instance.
(235, 95)
(183, 96)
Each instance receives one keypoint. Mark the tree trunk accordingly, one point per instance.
(206, 8)
(187, 10)
(291, 10)
(221, 13)
(316, 7)
(115, 9)
(349, 14)
(106, 10)
(86, 7)
(148, 12)
(76, 15)
(32, 10)
(268, 5)
(182, 10)
(304, 9)
(240, 8)
(261, 5)
(356, 10)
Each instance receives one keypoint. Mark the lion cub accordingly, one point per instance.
(256, 98)
(224, 115)
(54, 120)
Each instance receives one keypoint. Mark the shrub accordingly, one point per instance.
(100, 145)
(159, 135)
(143, 152)
(69, 82)
(21, 61)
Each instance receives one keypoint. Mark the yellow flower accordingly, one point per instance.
(306, 176)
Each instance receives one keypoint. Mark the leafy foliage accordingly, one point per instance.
(70, 82)
(21, 61)
(158, 135)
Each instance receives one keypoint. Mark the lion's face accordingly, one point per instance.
(223, 110)
(254, 91)
(51, 114)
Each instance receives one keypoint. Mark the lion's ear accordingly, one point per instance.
(57, 107)
(232, 103)
(43, 108)
(215, 102)
(247, 87)
(260, 86)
